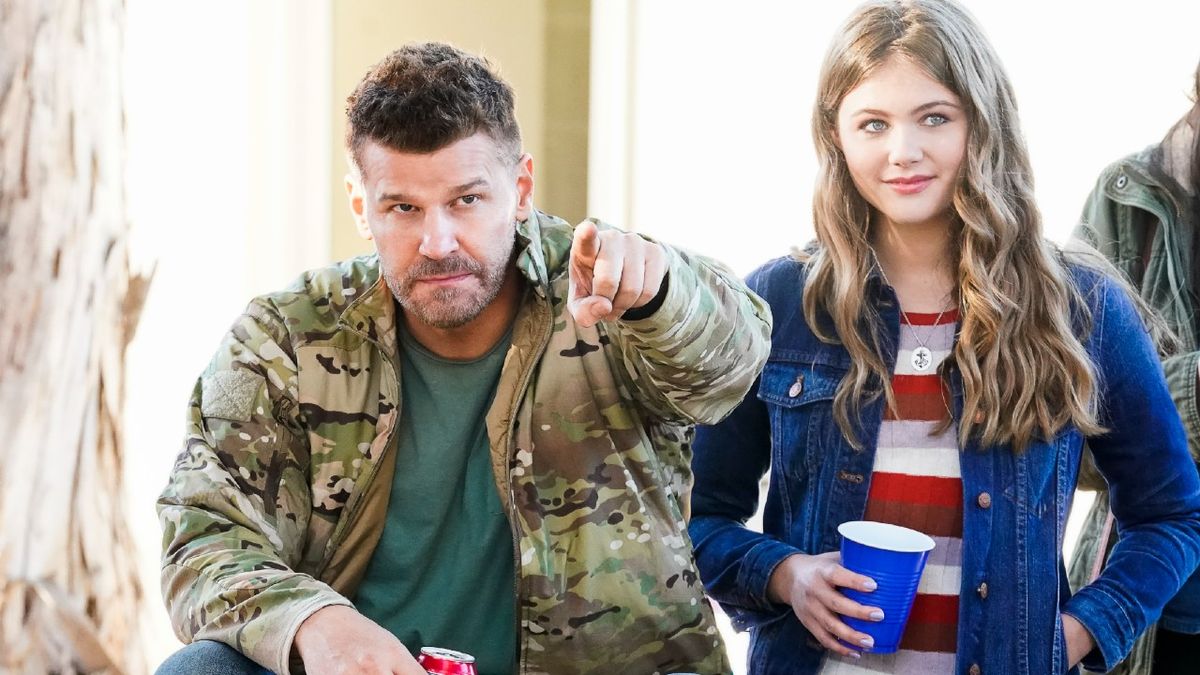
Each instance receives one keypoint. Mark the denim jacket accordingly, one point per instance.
(1013, 583)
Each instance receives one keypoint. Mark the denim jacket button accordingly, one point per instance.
(974, 669)
(797, 387)
(984, 500)
(982, 590)
(1122, 181)
(850, 477)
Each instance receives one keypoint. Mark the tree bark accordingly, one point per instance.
(69, 596)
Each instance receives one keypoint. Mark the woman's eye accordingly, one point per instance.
(936, 120)
(875, 126)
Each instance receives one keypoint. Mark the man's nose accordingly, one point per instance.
(440, 236)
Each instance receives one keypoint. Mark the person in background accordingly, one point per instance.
(1143, 216)
(477, 438)
(937, 364)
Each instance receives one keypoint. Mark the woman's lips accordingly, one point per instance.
(909, 186)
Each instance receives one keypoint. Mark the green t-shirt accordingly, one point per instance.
(442, 575)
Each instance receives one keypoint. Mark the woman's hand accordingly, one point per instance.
(1079, 640)
(809, 584)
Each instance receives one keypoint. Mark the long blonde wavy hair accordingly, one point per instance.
(1025, 373)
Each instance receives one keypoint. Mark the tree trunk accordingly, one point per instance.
(69, 596)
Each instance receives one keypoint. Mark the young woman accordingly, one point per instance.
(1144, 216)
(937, 364)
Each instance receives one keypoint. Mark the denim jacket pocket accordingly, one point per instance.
(799, 400)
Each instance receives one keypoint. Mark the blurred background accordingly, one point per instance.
(687, 120)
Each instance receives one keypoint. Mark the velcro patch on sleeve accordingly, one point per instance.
(230, 394)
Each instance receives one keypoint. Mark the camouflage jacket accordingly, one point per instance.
(276, 502)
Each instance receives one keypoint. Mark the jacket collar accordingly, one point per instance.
(537, 254)
(1138, 182)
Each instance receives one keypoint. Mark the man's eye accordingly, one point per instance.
(470, 199)
(403, 208)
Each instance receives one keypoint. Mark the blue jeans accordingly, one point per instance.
(206, 657)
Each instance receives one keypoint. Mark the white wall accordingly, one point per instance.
(228, 196)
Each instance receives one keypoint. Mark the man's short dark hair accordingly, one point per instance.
(424, 97)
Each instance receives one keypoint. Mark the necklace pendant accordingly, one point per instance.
(922, 358)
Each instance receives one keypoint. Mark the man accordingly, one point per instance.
(476, 439)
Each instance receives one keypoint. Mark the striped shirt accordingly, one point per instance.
(916, 483)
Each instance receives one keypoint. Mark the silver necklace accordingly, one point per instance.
(921, 357)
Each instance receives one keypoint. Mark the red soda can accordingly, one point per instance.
(438, 661)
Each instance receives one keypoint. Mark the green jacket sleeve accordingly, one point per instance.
(237, 505)
(1181, 371)
(693, 360)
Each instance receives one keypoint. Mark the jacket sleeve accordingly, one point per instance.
(1182, 371)
(1153, 486)
(735, 562)
(236, 508)
(693, 358)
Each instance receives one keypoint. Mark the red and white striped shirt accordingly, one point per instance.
(916, 483)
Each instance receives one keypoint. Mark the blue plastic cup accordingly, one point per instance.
(894, 557)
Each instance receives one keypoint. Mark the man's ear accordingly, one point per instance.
(357, 198)
(524, 187)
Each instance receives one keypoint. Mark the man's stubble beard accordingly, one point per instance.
(448, 308)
